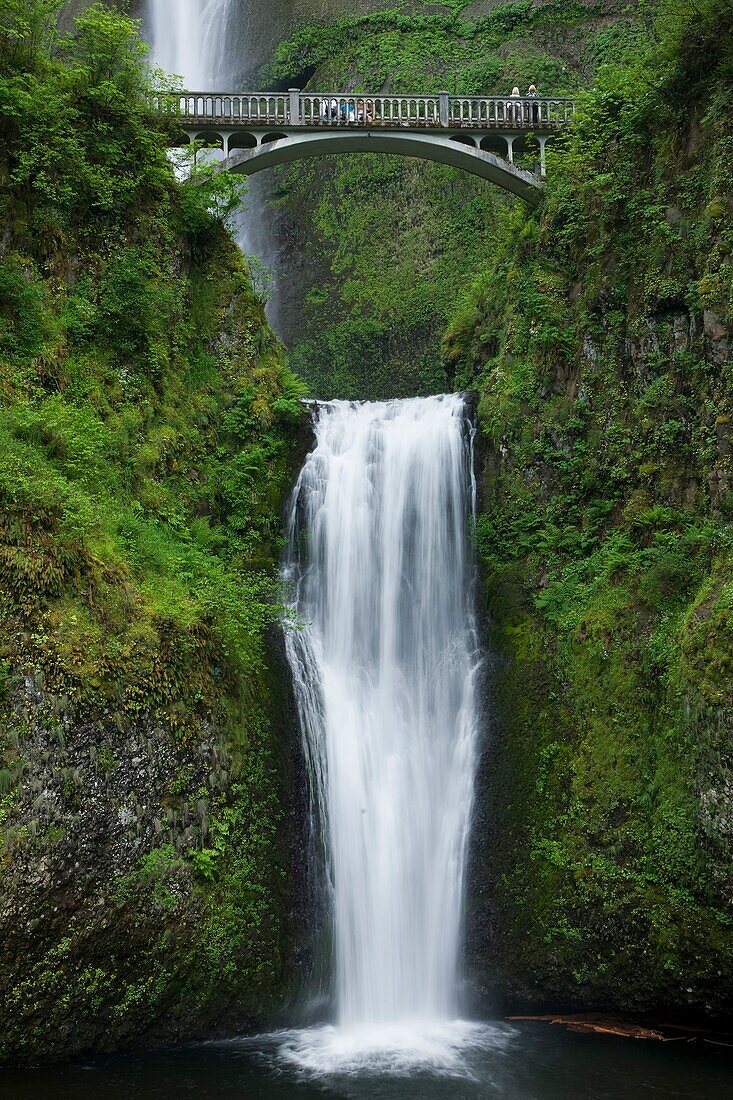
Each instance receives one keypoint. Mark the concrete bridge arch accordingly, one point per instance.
(459, 152)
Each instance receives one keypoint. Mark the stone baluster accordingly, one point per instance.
(543, 164)
(444, 108)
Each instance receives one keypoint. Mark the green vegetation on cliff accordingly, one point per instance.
(599, 339)
(381, 247)
(147, 422)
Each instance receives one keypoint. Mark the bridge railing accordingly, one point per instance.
(224, 108)
(373, 110)
(510, 112)
(201, 109)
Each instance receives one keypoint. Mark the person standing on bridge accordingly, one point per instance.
(514, 108)
(533, 94)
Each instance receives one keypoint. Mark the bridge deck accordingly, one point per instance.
(300, 110)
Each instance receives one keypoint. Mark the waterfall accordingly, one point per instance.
(385, 660)
(216, 45)
(193, 39)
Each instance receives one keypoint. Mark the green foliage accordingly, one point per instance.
(24, 322)
(107, 759)
(147, 421)
(411, 51)
(204, 862)
(158, 872)
(606, 538)
(120, 377)
(387, 243)
(5, 677)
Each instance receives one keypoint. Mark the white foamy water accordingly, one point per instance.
(201, 42)
(191, 39)
(385, 664)
(443, 1048)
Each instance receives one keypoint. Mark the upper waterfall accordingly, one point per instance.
(385, 664)
(192, 40)
(220, 43)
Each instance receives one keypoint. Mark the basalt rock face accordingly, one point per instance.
(128, 918)
(69, 11)
(599, 341)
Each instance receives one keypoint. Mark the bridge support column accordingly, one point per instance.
(543, 164)
(509, 148)
(443, 107)
(294, 106)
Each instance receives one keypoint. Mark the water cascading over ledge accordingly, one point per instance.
(385, 663)
(219, 44)
(193, 39)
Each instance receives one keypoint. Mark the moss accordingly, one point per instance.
(148, 428)
(606, 548)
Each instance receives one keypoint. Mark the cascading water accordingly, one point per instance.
(385, 661)
(384, 667)
(193, 39)
(216, 45)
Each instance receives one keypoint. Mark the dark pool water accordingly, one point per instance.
(532, 1062)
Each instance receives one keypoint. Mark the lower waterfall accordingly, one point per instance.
(385, 660)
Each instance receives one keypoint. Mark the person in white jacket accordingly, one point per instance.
(514, 108)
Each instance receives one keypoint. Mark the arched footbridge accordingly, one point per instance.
(480, 135)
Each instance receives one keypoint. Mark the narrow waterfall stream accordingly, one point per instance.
(194, 40)
(218, 45)
(385, 661)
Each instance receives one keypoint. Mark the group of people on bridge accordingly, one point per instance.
(520, 110)
(348, 111)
